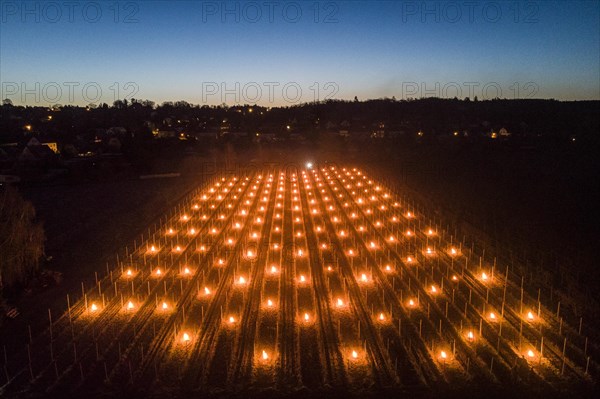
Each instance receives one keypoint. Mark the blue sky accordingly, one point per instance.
(270, 52)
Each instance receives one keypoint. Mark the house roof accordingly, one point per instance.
(37, 152)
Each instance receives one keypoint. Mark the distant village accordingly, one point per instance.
(45, 143)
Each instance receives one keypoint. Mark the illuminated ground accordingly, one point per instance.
(323, 279)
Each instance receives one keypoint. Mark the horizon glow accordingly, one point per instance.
(287, 53)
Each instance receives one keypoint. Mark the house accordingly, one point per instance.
(166, 134)
(116, 131)
(37, 153)
(379, 132)
(504, 133)
(114, 145)
(344, 129)
(224, 129)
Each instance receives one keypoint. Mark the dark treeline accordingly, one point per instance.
(433, 116)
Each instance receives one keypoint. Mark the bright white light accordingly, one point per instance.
(309, 165)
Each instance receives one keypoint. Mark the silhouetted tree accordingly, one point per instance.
(21, 239)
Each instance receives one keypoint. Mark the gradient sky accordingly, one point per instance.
(190, 50)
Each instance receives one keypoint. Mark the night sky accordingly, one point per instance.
(194, 51)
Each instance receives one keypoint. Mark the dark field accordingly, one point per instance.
(525, 208)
